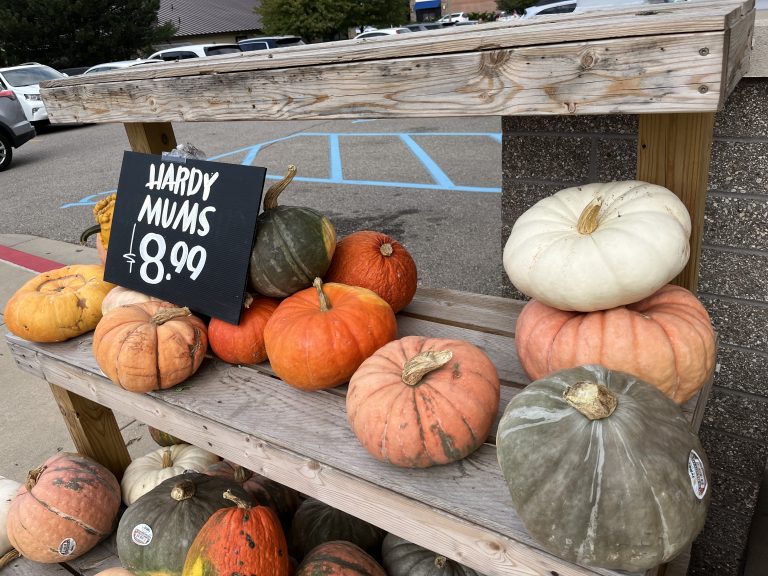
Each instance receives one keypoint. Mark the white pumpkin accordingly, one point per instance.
(598, 246)
(8, 489)
(120, 296)
(146, 472)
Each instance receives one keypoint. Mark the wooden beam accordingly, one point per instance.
(150, 137)
(673, 151)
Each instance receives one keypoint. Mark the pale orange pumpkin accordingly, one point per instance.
(666, 339)
(115, 572)
(319, 336)
(121, 296)
(375, 261)
(243, 343)
(65, 508)
(418, 401)
(149, 346)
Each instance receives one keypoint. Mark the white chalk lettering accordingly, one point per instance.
(150, 211)
(154, 184)
(182, 175)
(208, 180)
(204, 226)
(180, 180)
(168, 178)
(188, 216)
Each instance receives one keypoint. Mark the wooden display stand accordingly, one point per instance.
(673, 65)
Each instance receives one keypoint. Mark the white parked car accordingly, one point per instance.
(453, 18)
(24, 82)
(382, 32)
(194, 51)
(120, 64)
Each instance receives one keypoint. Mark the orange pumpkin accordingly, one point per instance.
(149, 346)
(375, 261)
(241, 540)
(66, 507)
(422, 401)
(243, 343)
(666, 339)
(319, 336)
(115, 572)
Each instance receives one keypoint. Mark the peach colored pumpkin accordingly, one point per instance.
(666, 339)
(115, 572)
(121, 296)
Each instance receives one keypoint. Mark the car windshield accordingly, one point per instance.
(33, 75)
(216, 50)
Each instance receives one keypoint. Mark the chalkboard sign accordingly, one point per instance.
(183, 231)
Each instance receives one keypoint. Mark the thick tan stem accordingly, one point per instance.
(325, 304)
(593, 400)
(167, 459)
(588, 219)
(386, 249)
(270, 198)
(33, 476)
(239, 501)
(9, 557)
(422, 364)
(183, 490)
(241, 474)
(162, 316)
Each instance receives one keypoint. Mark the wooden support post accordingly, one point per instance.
(94, 430)
(150, 137)
(673, 151)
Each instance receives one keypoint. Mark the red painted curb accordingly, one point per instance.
(28, 261)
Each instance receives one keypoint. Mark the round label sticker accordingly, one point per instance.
(141, 535)
(67, 547)
(697, 474)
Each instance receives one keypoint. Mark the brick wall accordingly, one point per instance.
(541, 155)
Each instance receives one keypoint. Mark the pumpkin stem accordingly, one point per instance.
(162, 316)
(588, 219)
(9, 557)
(241, 474)
(248, 300)
(88, 232)
(422, 364)
(325, 304)
(239, 501)
(386, 249)
(167, 459)
(184, 490)
(440, 561)
(593, 400)
(270, 198)
(33, 476)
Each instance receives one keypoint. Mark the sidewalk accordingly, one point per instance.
(31, 429)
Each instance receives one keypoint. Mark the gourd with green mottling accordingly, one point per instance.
(403, 558)
(293, 246)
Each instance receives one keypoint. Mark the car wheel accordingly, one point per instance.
(6, 152)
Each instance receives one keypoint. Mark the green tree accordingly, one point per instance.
(510, 6)
(70, 33)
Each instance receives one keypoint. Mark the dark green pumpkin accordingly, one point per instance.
(163, 438)
(156, 531)
(316, 523)
(403, 558)
(294, 245)
(339, 558)
(603, 469)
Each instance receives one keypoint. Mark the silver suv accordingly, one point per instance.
(14, 128)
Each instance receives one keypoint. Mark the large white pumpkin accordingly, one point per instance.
(146, 472)
(8, 489)
(598, 246)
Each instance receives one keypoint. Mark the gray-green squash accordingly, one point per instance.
(603, 469)
(403, 558)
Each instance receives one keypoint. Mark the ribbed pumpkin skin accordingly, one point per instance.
(59, 304)
(375, 261)
(443, 418)
(243, 343)
(239, 541)
(313, 349)
(293, 246)
(403, 558)
(339, 558)
(139, 355)
(611, 493)
(174, 523)
(316, 523)
(74, 501)
(666, 339)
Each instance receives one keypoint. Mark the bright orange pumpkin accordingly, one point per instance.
(375, 261)
(243, 343)
(422, 401)
(666, 339)
(319, 336)
(65, 508)
(240, 540)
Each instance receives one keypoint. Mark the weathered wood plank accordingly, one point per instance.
(103, 556)
(739, 51)
(151, 137)
(758, 63)
(24, 567)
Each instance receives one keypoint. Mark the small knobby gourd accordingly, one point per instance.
(403, 558)
(293, 245)
(242, 540)
(149, 346)
(603, 469)
(155, 532)
(316, 523)
(8, 489)
(146, 472)
(319, 336)
(417, 402)
(120, 296)
(65, 508)
(243, 343)
(59, 304)
(339, 558)
(163, 438)
(666, 339)
(375, 261)
(103, 212)
(598, 246)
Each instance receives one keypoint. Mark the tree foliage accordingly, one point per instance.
(510, 6)
(329, 19)
(70, 33)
